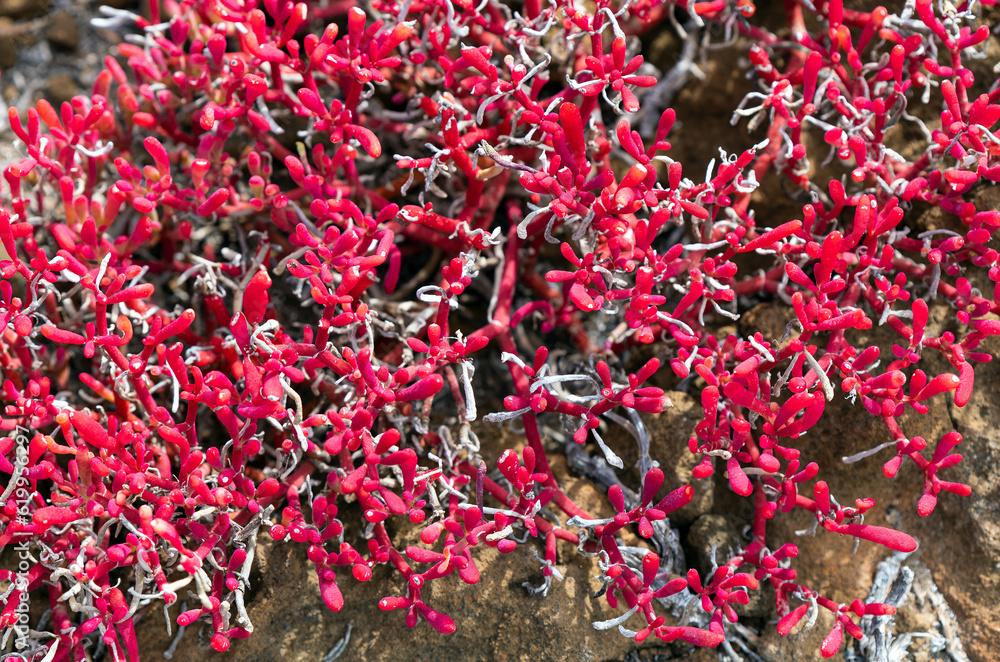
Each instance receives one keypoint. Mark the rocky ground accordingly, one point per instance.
(48, 48)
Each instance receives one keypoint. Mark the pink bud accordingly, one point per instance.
(940, 384)
(423, 389)
(159, 154)
(92, 431)
(267, 489)
(312, 101)
(295, 169)
(329, 590)
(179, 325)
(143, 205)
(699, 637)
(388, 604)
(438, 621)
(738, 479)
(652, 483)
(650, 566)
(676, 500)
(879, 609)
(199, 168)
(890, 538)
(256, 86)
(926, 504)
(54, 516)
(791, 619)
(960, 177)
(986, 326)
(213, 202)
(22, 325)
(369, 142)
(216, 48)
(400, 33)
(142, 291)
(966, 380)
(831, 644)
(255, 297)
(889, 380)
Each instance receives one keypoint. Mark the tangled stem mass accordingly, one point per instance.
(249, 279)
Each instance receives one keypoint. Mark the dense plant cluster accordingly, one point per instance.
(247, 284)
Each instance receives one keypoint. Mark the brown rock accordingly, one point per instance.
(62, 31)
(8, 50)
(768, 319)
(969, 527)
(14, 36)
(61, 87)
(496, 619)
(23, 8)
(669, 433)
(801, 645)
(710, 531)
(960, 528)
